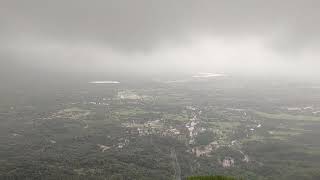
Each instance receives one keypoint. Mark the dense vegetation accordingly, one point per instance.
(210, 178)
(160, 131)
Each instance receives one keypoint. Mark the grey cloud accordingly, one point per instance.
(142, 24)
(160, 35)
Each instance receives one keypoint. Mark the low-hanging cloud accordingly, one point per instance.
(187, 35)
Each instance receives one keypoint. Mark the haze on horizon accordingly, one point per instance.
(160, 36)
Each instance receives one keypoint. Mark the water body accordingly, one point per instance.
(104, 82)
(207, 75)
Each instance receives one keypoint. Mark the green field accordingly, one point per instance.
(283, 116)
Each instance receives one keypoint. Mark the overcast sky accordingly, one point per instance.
(225, 36)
